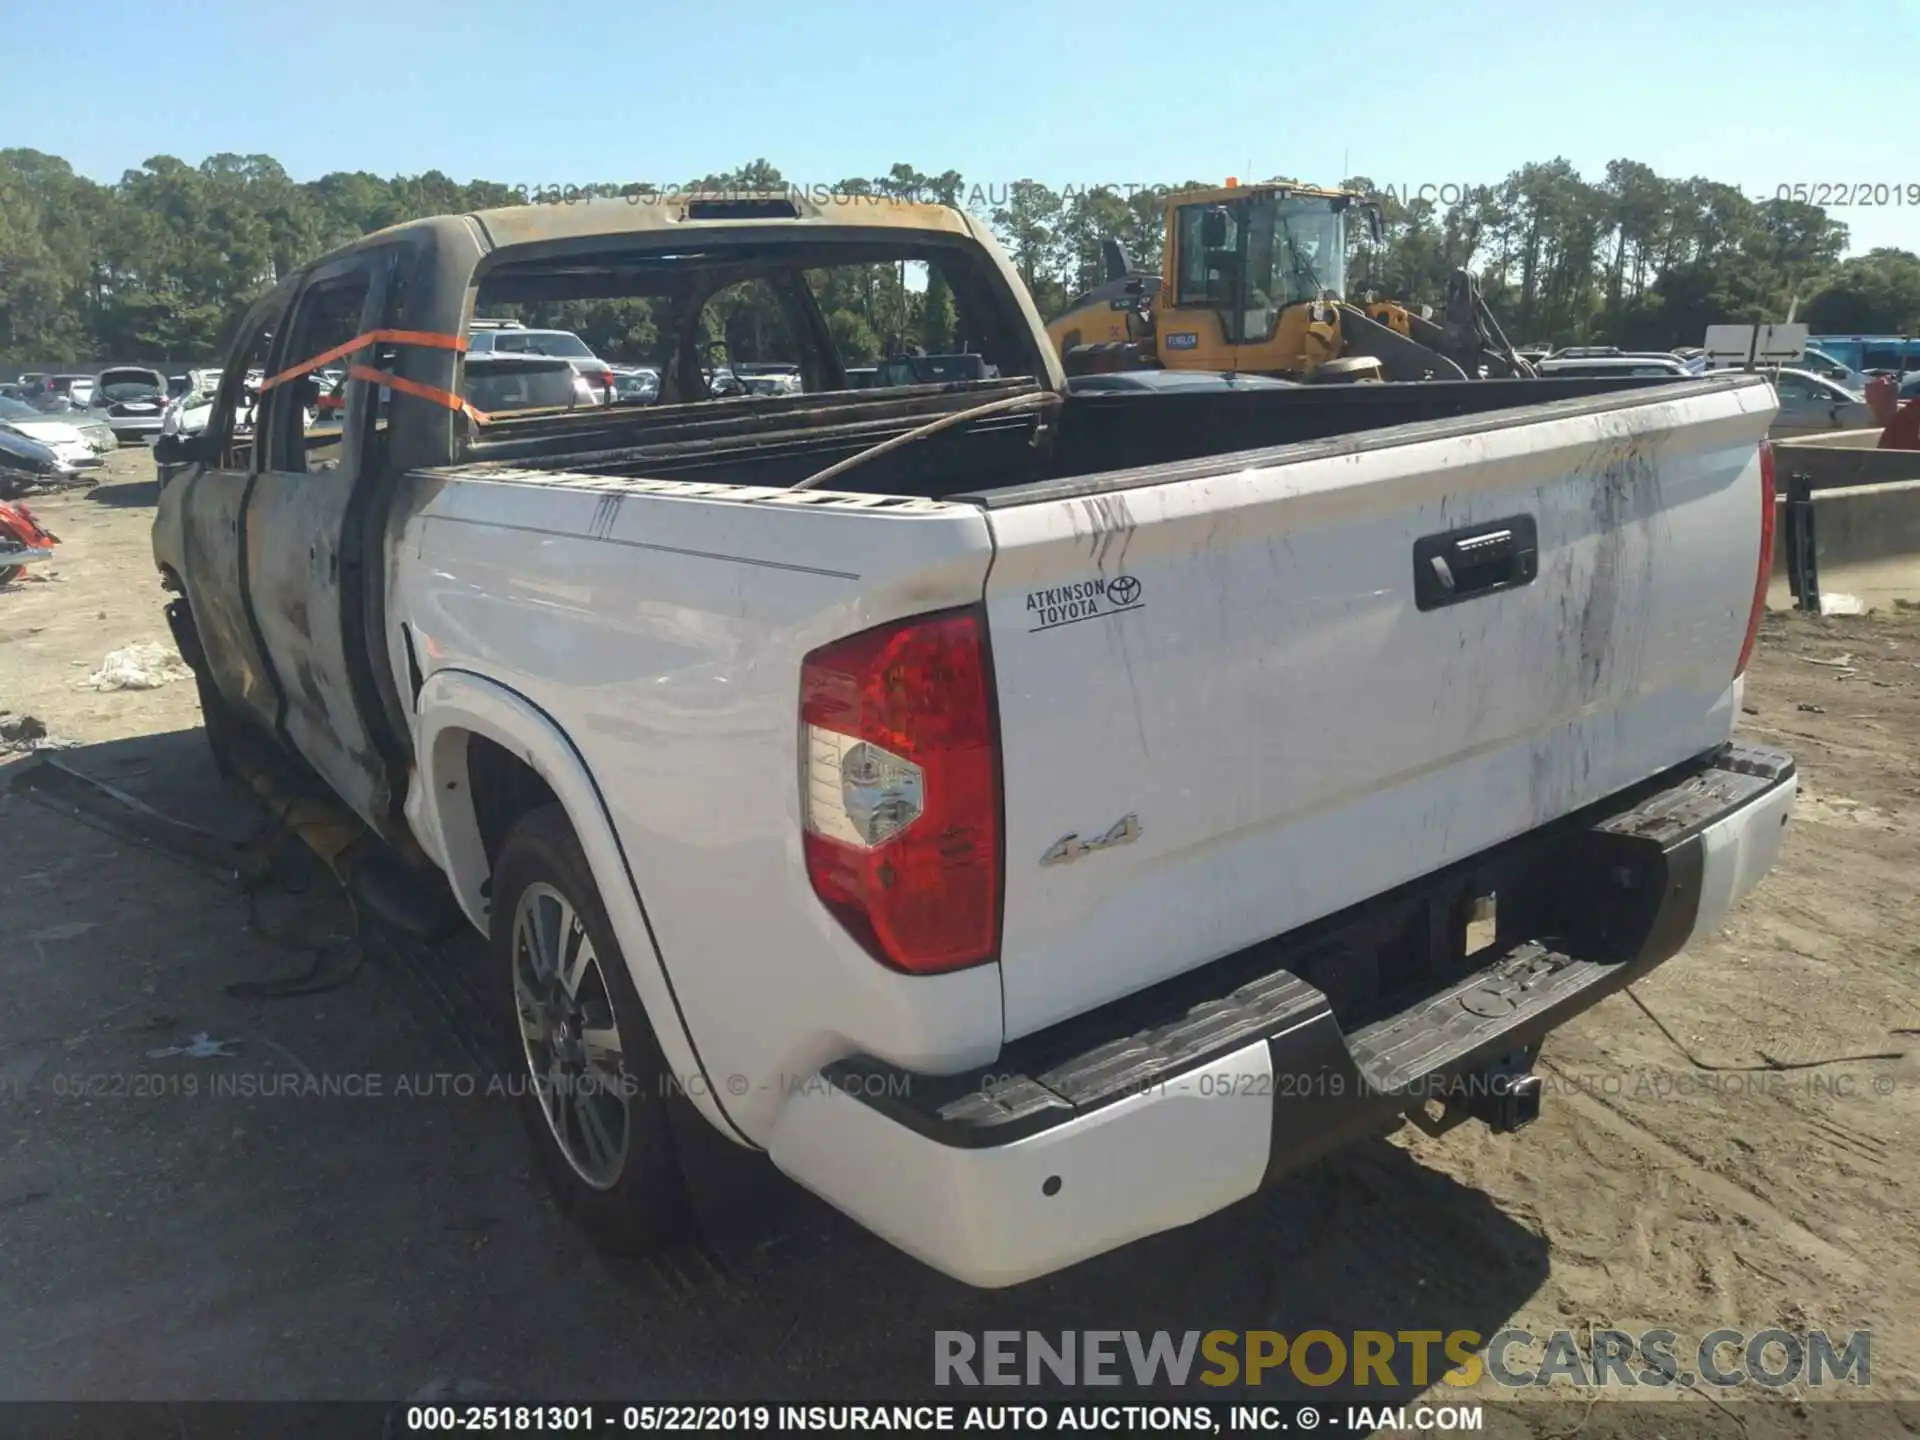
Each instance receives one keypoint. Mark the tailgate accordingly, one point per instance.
(1234, 702)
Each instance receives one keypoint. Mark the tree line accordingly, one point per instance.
(160, 264)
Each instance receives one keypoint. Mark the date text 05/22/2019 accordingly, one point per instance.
(1851, 194)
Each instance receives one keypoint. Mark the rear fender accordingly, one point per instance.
(454, 704)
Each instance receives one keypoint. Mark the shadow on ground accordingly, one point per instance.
(133, 493)
(316, 1196)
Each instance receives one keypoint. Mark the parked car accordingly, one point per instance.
(773, 384)
(1050, 815)
(78, 389)
(635, 384)
(498, 383)
(37, 390)
(769, 377)
(513, 338)
(1615, 366)
(133, 400)
(71, 449)
(1817, 362)
(185, 415)
(1810, 403)
(93, 430)
(933, 369)
(21, 455)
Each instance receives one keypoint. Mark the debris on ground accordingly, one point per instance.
(22, 734)
(107, 808)
(143, 665)
(201, 1047)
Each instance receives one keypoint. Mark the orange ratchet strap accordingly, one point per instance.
(415, 388)
(431, 339)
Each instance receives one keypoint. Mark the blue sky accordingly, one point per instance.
(1757, 94)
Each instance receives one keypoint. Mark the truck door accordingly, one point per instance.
(211, 501)
(305, 601)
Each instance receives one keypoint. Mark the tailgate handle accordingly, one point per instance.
(1479, 560)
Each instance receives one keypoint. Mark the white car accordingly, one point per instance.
(185, 415)
(1616, 366)
(69, 445)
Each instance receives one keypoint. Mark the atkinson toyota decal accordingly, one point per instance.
(1083, 600)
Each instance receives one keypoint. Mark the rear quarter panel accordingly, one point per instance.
(662, 627)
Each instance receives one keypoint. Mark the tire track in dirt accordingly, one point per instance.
(1728, 1194)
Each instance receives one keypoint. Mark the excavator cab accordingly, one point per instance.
(1249, 279)
(1253, 279)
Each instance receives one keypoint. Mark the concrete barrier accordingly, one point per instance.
(1843, 458)
(1866, 541)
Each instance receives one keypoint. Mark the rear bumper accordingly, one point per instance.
(1165, 1107)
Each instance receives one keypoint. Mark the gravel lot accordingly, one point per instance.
(171, 1227)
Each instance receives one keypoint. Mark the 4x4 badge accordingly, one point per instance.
(1069, 848)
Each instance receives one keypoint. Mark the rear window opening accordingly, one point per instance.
(805, 351)
(736, 321)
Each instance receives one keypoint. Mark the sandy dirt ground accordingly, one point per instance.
(161, 1237)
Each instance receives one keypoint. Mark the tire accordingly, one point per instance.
(216, 720)
(602, 1138)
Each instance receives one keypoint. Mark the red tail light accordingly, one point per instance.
(1766, 559)
(901, 790)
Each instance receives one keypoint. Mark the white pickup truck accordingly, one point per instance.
(1033, 818)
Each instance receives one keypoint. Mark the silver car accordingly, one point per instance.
(1811, 403)
(132, 399)
(494, 338)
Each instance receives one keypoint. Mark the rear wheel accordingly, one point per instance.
(590, 1079)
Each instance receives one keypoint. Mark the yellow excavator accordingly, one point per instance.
(1254, 280)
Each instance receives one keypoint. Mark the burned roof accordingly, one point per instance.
(694, 211)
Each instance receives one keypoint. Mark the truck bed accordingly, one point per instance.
(778, 442)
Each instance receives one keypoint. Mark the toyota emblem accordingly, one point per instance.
(1123, 590)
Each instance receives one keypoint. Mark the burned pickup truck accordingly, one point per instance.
(1033, 818)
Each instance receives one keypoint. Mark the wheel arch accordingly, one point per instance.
(460, 811)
